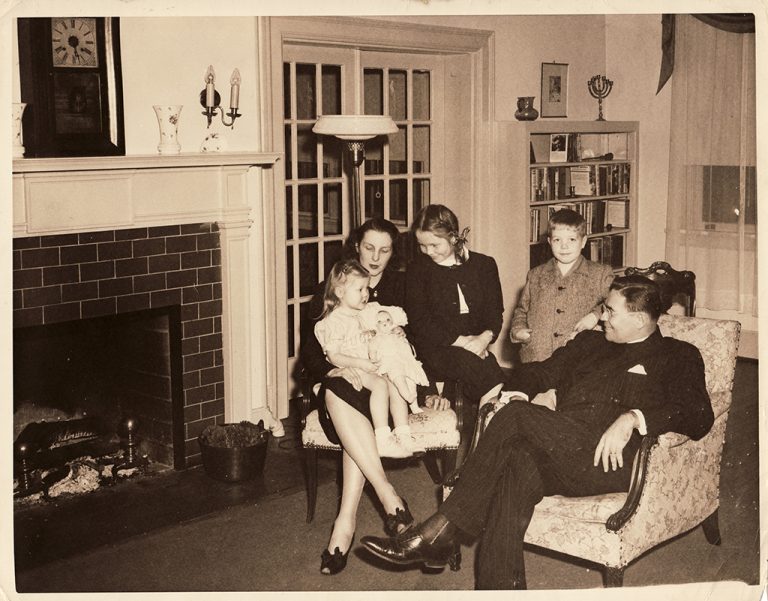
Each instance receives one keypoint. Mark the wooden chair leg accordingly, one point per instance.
(310, 459)
(613, 577)
(449, 461)
(430, 462)
(711, 528)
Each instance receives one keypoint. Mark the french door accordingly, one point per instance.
(401, 173)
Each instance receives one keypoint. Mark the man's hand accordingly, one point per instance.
(613, 441)
(546, 399)
(350, 374)
(437, 402)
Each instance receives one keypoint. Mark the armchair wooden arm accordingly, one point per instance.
(639, 471)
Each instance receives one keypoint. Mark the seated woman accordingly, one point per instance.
(344, 404)
(454, 305)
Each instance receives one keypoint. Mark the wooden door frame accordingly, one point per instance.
(366, 34)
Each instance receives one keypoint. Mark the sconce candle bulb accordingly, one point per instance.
(234, 93)
(210, 90)
(211, 100)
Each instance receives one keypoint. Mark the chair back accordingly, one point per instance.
(677, 287)
(718, 343)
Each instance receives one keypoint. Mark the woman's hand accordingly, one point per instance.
(399, 331)
(437, 402)
(350, 374)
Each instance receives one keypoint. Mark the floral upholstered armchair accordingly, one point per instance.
(676, 481)
(438, 431)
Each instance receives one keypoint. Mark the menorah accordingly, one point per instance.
(599, 87)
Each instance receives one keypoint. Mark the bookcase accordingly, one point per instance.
(590, 167)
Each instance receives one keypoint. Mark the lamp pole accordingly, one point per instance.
(357, 148)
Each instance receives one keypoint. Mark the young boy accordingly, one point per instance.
(562, 296)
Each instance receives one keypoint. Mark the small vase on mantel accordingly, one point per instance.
(18, 138)
(168, 120)
(525, 110)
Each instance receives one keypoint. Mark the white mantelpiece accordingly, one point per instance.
(80, 194)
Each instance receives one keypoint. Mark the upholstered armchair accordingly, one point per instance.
(438, 431)
(676, 481)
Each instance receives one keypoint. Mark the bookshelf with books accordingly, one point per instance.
(590, 167)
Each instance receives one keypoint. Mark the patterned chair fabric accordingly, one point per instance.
(676, 482)
(436, 430)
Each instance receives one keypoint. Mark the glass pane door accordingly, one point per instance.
(398, 176)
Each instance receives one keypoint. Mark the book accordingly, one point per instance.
(580, 180)
(615, 213)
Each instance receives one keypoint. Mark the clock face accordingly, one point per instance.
(73, 41)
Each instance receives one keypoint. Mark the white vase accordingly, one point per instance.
(18, 138)
(168, 120)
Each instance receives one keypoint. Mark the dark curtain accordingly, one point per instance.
(731, 22)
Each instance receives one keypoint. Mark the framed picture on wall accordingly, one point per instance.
(554, 90)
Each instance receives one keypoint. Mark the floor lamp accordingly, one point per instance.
(355, 130)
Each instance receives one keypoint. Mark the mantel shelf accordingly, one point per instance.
(145, 161)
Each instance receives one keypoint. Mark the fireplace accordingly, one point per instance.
(122, 322)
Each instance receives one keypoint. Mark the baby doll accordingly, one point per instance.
(394, 356)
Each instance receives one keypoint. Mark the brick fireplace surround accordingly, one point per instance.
(96, 237)
(79, 276)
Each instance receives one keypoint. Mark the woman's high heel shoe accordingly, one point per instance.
(333, 563)
(399, 522)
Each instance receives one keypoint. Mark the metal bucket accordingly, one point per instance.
(233, 464)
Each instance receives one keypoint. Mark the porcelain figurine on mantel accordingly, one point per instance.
(168, 120)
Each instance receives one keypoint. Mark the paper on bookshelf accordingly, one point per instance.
(616, 213)
(580, 180)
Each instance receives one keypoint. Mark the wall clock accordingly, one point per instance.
(70, 78)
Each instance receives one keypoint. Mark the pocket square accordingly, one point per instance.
(638, 369)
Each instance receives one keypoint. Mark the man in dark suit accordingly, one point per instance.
(610, 389)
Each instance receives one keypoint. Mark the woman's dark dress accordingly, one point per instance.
(435, 319)
(389, 291)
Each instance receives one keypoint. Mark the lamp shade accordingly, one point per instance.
(355, 127)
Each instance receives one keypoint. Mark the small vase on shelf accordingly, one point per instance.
(168, 120)
(18, 137)
(525, 110)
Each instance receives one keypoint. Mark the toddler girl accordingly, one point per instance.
(344, 332)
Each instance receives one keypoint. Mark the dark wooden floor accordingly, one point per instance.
(71, 529)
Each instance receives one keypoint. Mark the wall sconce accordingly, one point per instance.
(210, 98)
(354, 130)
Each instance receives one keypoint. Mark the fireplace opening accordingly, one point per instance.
(96, 372)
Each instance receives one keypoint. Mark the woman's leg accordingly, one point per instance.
(351, 490)
(356, 435)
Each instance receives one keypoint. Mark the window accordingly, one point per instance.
(721, 201)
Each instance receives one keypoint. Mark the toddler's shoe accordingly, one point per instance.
(390, 446)
(409, 442)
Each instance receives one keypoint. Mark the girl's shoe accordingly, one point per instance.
(398, 522)
(333, 563)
